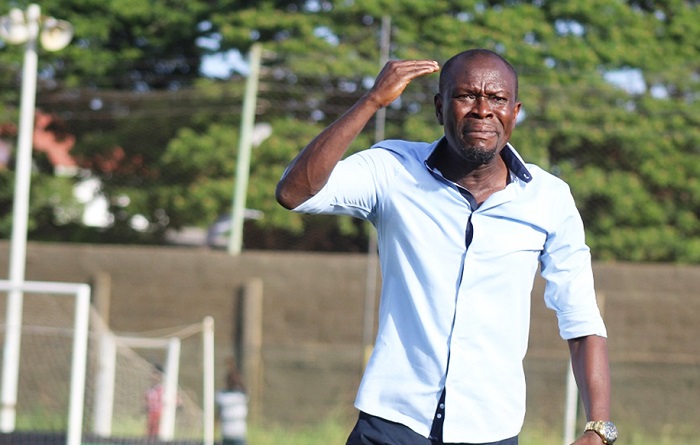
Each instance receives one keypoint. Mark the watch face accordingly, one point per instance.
(610, 432)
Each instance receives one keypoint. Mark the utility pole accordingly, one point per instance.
(372, 257)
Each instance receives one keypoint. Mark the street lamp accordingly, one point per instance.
(18, 28)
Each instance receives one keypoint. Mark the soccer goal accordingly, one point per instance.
(27, 374)
(73, 379)
(126, 383)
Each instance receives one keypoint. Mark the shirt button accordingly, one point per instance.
(442, 406)
(439, 416)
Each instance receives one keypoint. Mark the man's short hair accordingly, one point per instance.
(474, 54)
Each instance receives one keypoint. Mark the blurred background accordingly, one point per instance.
(138, 119)
(165, 123)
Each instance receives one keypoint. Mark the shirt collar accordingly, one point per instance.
(510, 156)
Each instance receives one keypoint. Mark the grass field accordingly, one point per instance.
(335, 432)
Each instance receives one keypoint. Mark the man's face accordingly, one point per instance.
(477, 108)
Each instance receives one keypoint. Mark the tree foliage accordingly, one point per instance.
(609, 91)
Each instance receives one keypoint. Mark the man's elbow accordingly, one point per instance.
(289, 197)
(283, 197)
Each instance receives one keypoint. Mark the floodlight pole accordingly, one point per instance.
(16, 28)
(20, 211)
(245, 144)
(372, 256)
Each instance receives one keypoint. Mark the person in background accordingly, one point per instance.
(154, 402)
(232, 404)
(463, 226)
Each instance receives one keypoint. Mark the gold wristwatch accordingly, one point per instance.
(606, 430)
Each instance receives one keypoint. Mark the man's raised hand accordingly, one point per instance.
(395, 77)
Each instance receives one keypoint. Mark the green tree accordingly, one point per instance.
(628, 151)
(628, 147)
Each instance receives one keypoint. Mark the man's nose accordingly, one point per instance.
(481, 106)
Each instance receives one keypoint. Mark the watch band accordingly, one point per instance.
(606, 430)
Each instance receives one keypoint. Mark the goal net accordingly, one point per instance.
(119, 371)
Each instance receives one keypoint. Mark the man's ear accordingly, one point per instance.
(437, 100)
(516, 111)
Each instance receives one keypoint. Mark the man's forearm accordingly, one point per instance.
(310, 170)
(589, 359)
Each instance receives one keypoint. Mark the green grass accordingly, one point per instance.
(335, 432)
(335, 429)
(329, 432)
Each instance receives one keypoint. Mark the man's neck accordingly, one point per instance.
(481, 180)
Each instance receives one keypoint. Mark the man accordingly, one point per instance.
(232, 402)
(463, 224)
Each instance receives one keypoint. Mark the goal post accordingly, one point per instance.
(81, 292)
(104, 389)
(67, 361)
(111, 346)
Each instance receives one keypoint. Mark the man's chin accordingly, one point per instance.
(478, 155)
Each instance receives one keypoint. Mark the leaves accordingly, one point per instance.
(131, 81)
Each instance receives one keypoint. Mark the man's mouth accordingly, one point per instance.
(478, 132)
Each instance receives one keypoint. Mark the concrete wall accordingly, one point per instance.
(313, 309)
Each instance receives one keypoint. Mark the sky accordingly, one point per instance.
(221, 65)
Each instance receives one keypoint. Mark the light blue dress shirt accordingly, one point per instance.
(454, 316)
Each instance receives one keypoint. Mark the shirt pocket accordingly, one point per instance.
(497, 237)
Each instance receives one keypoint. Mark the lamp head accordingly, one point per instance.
(13, 27)
(55, 34)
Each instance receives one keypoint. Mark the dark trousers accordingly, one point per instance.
(372, 430)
